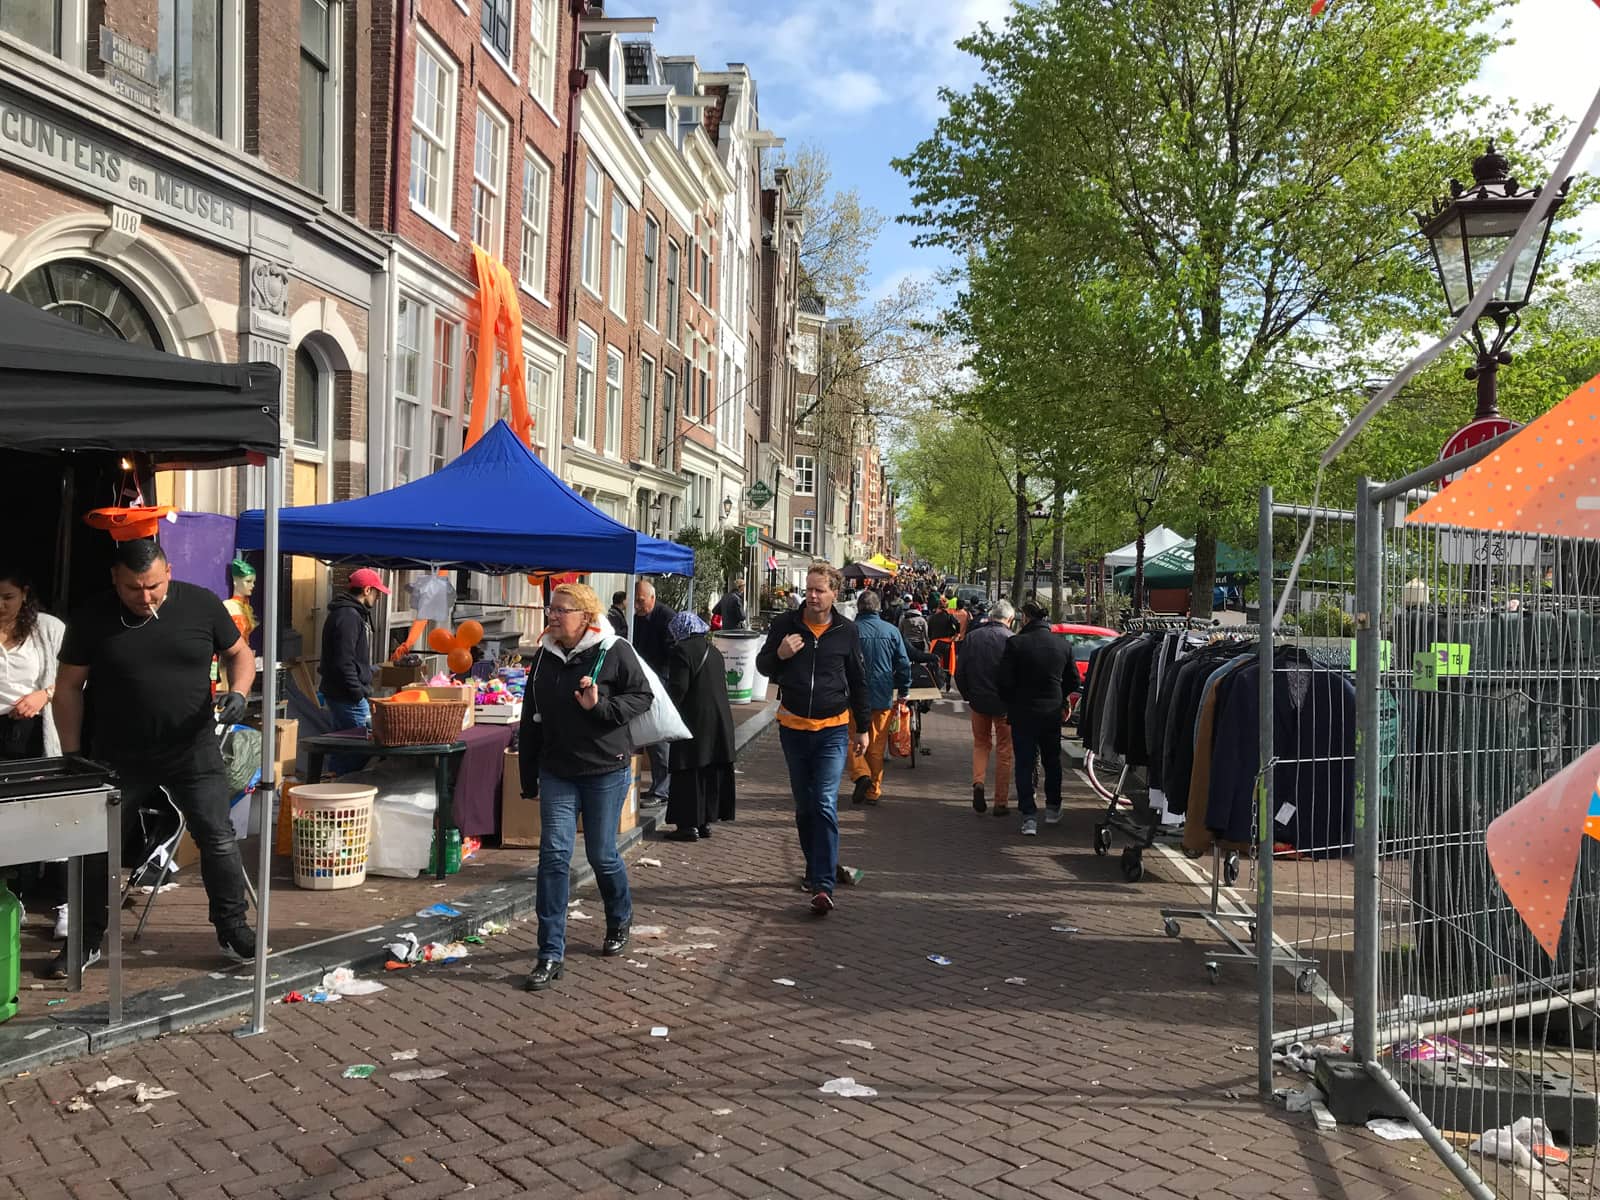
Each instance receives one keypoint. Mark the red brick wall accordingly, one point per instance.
(272, 84)
(478, 72)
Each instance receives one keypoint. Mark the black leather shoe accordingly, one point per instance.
(616, 942)
(545, 972)
(979, 804)
(704, 831)
(684, 834)
(863, 782)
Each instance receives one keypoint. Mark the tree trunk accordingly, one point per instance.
(1020, 572)
(1058, 554)
(1205, 569)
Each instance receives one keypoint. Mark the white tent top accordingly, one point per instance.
(1158, 539)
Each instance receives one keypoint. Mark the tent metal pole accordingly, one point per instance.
(632, 583)
(267, 790)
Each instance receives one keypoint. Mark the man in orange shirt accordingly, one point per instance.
(814, 656)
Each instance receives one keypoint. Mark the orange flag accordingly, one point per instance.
(1545, 479)
(499, 327)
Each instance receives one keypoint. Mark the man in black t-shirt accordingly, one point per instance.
(139, 662)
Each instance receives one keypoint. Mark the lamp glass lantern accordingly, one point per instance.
(1469, 232)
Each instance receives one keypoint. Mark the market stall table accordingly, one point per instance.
(444, 756)
(65, 808)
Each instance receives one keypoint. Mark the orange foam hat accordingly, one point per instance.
(130, 524)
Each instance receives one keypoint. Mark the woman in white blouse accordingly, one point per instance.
(30, 640)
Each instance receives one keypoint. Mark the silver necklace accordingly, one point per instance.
(154, 612)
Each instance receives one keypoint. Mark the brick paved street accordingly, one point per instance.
(1114, 1071)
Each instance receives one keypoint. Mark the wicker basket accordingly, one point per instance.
(437, 723)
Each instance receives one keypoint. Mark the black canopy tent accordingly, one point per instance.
(72, 403)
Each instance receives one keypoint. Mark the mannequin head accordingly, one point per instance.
(244, 577)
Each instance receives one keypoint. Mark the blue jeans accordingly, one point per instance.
(816, 763)
(599, 798)
(1039, 737)
(348, 714)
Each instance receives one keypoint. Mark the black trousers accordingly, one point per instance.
(1036, 737)
(200, 791)
(21, 738)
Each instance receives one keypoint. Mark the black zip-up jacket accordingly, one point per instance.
(347, 650)
(826, 677)
(977, 666)
(568, 740)
(1036, 673)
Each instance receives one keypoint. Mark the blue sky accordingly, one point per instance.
(860, 77)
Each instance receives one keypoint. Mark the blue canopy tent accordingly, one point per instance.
(497, 509)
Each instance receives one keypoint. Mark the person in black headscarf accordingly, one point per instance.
(702, 766)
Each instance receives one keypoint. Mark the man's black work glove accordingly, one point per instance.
(230, 708)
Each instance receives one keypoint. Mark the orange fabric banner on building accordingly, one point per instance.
(1544, 479)
(499, 328)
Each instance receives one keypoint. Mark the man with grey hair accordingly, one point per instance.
(888, 671)
(976, 680)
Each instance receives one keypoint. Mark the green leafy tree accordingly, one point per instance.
(1171, 208)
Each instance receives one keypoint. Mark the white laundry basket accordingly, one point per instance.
(332, 825)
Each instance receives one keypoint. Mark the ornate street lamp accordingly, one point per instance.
(1146, 479)
(1467, 235)
(1039, 513)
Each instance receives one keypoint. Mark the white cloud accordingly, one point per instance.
(848, 91)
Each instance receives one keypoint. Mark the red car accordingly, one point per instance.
(1085, 640)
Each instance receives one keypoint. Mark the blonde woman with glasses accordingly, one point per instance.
(584, 687)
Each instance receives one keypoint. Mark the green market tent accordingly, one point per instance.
(1174, 567)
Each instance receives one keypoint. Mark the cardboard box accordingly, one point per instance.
(456, 691)
(498, 714)
(287, 746)
(519, 818)
(187, 854)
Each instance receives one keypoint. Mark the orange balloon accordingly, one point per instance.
(411, 696)
(440, 640)
(469, 634)
(460, 660)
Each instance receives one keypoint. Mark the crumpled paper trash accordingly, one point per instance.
(847, 1087)
(406, 950)
(1301, 1100)
(343, 980)
(1520, 1143)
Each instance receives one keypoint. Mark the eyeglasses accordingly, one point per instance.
(551, 614)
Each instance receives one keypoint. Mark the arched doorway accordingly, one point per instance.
(91, 296)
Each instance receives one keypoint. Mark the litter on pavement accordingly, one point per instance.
(848, 1088)
(649, 931)
(343, 981)
(402, 1055)
(406, 950)
(109, 1084)
(1065, 929)
(491, 928)
(579, 915)
(858, 1043)
(1391, 1130)
(658, 1031)
(420, 1074)
(360, 1071)
(1520, 1143)
(439, 910)
(144, 1093)
(1017, 980)
(649, 862)
(939, 960)
(784, 982)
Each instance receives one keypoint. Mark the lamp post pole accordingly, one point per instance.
(1037, 516)
(1001, 535)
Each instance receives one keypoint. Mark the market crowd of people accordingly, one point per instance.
(138, 662)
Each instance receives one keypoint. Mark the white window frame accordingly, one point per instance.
(445, 389)
(543, 16)
(489, 177)
(615, 370)
(650, 300)
(590, 247)
(540, 380)
(670, 402)
(674, 285)
(441, 142)
(805, 414)
(533, 264)
(805, 356)
(588, 365)
(693, 282)
(806, 544)
(647, 409)
(619, 255)
(805, 475)
(333, 91)
(410, 402)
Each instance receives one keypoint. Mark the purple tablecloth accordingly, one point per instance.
(477, 799)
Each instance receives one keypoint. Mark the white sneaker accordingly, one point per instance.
(1052, 816)
(61, 930)
(1030, 827)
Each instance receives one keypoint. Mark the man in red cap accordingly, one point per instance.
(347, 659)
